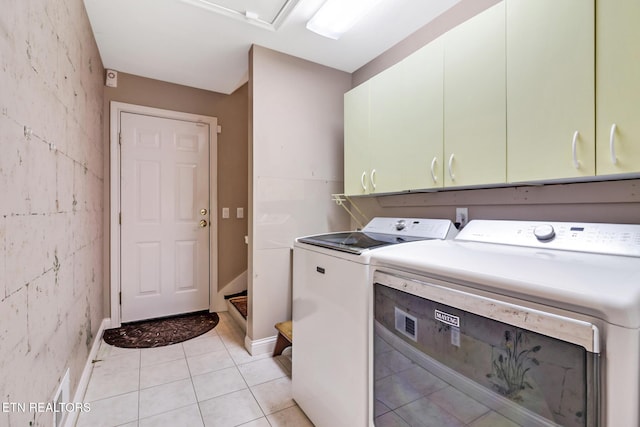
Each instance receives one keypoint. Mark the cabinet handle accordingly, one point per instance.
(451, 175)
(576, 162)
(433, 171)
(612, 146)
(373, 179)
(364, 186)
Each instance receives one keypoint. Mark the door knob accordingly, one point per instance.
(203, 223)
(203, 211)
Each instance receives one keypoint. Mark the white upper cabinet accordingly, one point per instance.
(406, 123)
(474, 100)
(508, 96)
(618, 86)
(424, 162)
(356, 141)
(393, 127)
(388, 140)
(550, 89)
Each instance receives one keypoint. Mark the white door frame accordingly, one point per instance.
(114, 245)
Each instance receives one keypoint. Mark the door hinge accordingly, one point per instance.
(119, 138)
(120, 297)
(120, 218)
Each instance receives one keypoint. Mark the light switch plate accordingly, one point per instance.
(240, 213)
(225, 213)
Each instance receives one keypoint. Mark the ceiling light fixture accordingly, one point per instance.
(336, 17)
(268, 14)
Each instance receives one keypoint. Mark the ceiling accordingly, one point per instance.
(180, 41)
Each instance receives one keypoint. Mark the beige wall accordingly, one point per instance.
(607, 201)
(296, 140)
(51, 206)
(615, 201)
(231, 111)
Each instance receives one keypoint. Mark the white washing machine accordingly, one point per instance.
(512, 323)
(332, 315)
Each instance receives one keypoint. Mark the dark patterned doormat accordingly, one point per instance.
(161, 332)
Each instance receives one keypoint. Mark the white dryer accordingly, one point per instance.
(332, 298)
(512, 323)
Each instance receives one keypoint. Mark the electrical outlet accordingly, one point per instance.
(462, 216)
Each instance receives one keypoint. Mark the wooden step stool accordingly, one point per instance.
(285, 336)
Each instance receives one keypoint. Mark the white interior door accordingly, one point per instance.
(165, 234)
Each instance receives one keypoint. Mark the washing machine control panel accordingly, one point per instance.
(544, 232)
(413, 227)
(612, 239)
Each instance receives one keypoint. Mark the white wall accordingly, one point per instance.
(295, 155)
(51, 189)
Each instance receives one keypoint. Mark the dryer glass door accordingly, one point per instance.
(449, 355)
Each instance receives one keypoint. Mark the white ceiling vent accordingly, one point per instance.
(269, 14)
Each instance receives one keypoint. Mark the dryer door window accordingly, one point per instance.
(443, 362)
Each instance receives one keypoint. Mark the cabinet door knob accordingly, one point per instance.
(451, 174)
(612, 145)
(574, 142)
(433, 169)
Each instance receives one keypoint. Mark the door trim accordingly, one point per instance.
(116, 108)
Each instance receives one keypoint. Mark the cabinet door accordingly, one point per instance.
(406, 123)
(618, 86)
(550, 89)
(388, 141)
(474, 100)
(356, 140)
(423, 161)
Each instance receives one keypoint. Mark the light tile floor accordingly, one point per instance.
(210, 380)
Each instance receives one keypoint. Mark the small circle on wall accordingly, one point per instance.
(112, 78)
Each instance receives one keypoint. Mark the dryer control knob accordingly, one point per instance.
(544, 233)
(400, 225)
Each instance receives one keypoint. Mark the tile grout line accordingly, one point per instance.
(193, 386)
(139, 383)
(171, 382)
(237, 368)
(229, 342)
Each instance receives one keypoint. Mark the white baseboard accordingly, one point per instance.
(261, 346)
(86, 372)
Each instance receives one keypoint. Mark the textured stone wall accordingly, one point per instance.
(51, 200)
